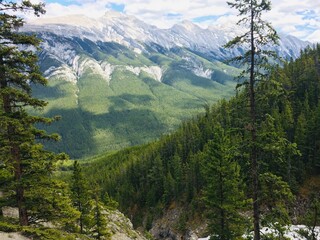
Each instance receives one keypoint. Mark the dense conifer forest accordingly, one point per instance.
(179, 167)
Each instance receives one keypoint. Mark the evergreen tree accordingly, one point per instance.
(276, 152)
(311, 217)
(259, 34)
(169, 188)
(93, 213)
(224, 196)
(98, 228)
(29, 164)
(177, 174)
(80, 195)
(276, 197)
(49, 201)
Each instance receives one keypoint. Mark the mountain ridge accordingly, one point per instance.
(133, 32)
(123, 82)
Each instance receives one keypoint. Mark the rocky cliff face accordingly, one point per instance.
(121, 227)
(172, 226)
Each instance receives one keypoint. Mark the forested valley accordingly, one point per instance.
(246, 163)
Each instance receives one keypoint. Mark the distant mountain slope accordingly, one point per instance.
(117, 81)
(134, 33)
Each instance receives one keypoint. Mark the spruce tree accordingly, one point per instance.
(276, 198)
(98, 228)
(29, 164)
(259, 34)
(312, 214)
(223, 193)
(81, 195)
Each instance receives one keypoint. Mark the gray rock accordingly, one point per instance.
(12, 236)
(10, 212)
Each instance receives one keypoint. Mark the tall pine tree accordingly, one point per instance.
(259, 34)
(29, 164)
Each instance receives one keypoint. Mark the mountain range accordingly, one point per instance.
(118, 81)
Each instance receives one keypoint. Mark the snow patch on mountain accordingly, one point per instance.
(49, 71)
(197, 66)
(154, 71)
(108, 70)
(63, 72)
(86, 65)
(78, 67)
(137, 50)
(135, 70)
(61, 51)
(188, 25)
(201, 72)
(291, 233)
(91, 66)
(75, 66)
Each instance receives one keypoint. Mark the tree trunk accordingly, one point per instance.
(253, 153)
(81, 216)
(15, 159)
(23, 217)
(222, 214)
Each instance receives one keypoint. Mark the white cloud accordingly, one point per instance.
(314, 37)
(288, 16)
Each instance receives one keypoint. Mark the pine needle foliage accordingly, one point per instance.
(26, 165)
(257, 35)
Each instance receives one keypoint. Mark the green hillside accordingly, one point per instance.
(100, 114)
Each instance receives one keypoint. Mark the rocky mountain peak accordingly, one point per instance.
(187, 25)
(133, 33)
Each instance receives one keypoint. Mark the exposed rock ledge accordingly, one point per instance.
(121, 227)
(12, 236)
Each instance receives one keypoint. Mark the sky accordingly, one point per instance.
(300, 18)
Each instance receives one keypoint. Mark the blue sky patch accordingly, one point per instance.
(307, 14)
(116, 7)
(305, 27)
(173, 15)
(64, 2)
(205, 18)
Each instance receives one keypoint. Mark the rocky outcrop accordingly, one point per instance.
(118, 225)
(121, 228)
(167, 233)
(10, 212)
(169, 227)
(12, 236)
